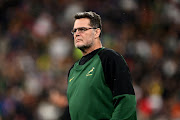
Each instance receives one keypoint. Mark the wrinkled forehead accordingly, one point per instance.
(83, 22)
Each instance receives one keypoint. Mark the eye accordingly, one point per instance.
(82, 29)
(74, 30)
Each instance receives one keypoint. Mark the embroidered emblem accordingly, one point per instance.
(90, 72)
(71, 79)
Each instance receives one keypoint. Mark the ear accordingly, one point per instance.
(97, 32)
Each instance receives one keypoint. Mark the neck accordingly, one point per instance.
(90, 49)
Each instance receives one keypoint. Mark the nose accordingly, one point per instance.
(77, 33)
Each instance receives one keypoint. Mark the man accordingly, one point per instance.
(99, 84)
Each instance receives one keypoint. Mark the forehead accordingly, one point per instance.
(83, 22)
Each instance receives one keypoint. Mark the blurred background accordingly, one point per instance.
(37, 50)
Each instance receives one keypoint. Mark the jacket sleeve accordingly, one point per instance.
(118, 78)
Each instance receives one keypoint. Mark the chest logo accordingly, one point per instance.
(90, 72)
(71, 79)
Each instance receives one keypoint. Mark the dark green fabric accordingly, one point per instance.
(90, 98)
(126, 107)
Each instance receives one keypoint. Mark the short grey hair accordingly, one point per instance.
(95, 19)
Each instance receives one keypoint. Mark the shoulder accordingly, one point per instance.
(111, 58)
(107, 53)
(72, 67)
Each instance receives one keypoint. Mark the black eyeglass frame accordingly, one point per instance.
(80, 29)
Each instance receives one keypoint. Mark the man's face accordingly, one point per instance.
(83, 39)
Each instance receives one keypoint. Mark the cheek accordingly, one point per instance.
(90, 38)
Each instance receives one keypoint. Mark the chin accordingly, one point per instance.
(78, 45)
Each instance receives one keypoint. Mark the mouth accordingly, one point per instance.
(78, 40)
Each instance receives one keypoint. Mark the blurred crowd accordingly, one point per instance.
(36, 52)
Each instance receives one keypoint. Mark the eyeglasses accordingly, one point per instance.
(81, 30)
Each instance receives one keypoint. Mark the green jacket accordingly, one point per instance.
(100, 88)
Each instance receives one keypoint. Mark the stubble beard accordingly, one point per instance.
(83, 48)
